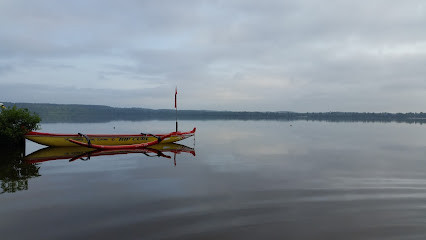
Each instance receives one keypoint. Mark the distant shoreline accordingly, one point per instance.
(98, 113)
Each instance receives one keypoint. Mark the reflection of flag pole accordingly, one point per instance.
(176, 108)
(174, 159)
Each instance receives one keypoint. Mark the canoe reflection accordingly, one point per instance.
(83, 153)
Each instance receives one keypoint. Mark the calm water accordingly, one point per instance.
(248, 180)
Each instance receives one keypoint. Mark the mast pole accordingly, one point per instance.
(176, 109)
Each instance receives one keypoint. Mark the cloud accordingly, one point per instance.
(5, 68)
(41, 93)
(302, 55)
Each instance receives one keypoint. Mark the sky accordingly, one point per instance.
(238, 55)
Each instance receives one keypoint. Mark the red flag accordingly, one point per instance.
(175, 97)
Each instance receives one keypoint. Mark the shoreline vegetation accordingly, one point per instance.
(51, 113)
(14, 124)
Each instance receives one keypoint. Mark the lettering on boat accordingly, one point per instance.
(133, 139)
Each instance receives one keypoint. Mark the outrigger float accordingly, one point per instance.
(107, 141)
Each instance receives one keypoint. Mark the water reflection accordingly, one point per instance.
(15, 171)
(83, 153)
(16, 168)
(338, 180)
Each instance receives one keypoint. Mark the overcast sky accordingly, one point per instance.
(295, 55)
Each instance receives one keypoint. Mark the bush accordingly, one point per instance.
(15, 123)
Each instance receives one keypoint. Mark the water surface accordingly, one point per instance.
(249, 179)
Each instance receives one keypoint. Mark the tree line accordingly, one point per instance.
(100, 113)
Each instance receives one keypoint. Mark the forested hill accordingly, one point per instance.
(99, 113)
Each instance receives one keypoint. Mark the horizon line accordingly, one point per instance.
(277, 111)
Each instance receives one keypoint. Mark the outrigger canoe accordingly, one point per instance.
(106, 141)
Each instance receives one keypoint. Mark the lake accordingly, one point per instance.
(247, 180)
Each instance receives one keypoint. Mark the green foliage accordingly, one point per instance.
(15, 123)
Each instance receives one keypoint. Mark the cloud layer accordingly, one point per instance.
(303, 55)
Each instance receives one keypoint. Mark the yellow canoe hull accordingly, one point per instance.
(61, 140)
